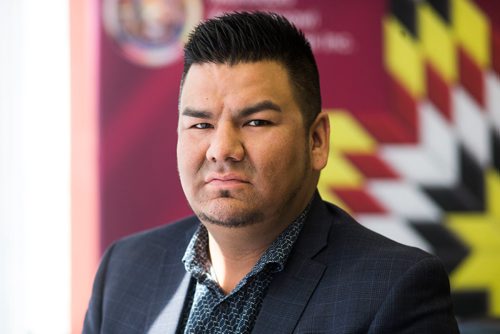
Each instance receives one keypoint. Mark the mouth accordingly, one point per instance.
(226, 180)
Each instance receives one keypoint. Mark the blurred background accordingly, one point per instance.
(88, 113)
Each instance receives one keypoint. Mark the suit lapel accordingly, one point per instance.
(171, 291)
(287, 297)
(292, 288)
(167, 320)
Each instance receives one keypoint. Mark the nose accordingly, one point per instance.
(225, 144)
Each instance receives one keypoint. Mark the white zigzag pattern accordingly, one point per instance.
(434, 161)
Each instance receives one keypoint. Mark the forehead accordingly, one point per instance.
(210, 83)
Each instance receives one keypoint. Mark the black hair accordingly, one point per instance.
(246, 37)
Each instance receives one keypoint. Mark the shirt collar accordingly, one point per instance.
(195, 259)
(197, 262)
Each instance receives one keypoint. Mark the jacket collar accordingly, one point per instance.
(291, 289)
(163, 318)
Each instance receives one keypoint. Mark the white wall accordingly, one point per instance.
(34, 167)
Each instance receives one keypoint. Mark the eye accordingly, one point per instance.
(258, 122)
(202, 126)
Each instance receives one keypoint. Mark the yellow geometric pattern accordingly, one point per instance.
(347, 135)
(481, 232)
(405, 60)
(438, 43)
(340, 172)
(403, 57)
(472, 30)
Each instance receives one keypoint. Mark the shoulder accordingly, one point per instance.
(372, 261)
(131, 271)
(379, 282)
(157, 236)
(171, 239)
(144, 254)
(364, 244)
(354, 253)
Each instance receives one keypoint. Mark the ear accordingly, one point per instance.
(319, 136)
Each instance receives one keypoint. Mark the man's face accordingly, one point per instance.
(243, 154)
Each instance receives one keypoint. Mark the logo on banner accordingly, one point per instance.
(151, 32)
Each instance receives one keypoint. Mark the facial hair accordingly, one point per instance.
(256, 216)
(247, 219)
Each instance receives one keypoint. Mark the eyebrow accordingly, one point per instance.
(196, 113)
(245, 112)
(260, 106)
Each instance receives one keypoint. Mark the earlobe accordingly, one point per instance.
(320, 140)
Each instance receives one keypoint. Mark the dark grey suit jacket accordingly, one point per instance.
(340, 278)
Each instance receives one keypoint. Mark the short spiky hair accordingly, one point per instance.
(245, 37)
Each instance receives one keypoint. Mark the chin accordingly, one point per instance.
(230, 217)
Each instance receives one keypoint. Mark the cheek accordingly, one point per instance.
(181, 156)
(189, 156)
(277, 158)
(190, 145)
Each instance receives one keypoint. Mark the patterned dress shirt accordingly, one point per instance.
(208, 309)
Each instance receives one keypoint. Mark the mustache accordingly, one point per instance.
(228, 168)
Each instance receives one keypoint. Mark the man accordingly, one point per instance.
(264, 253)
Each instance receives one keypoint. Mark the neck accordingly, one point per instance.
(235, 251)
